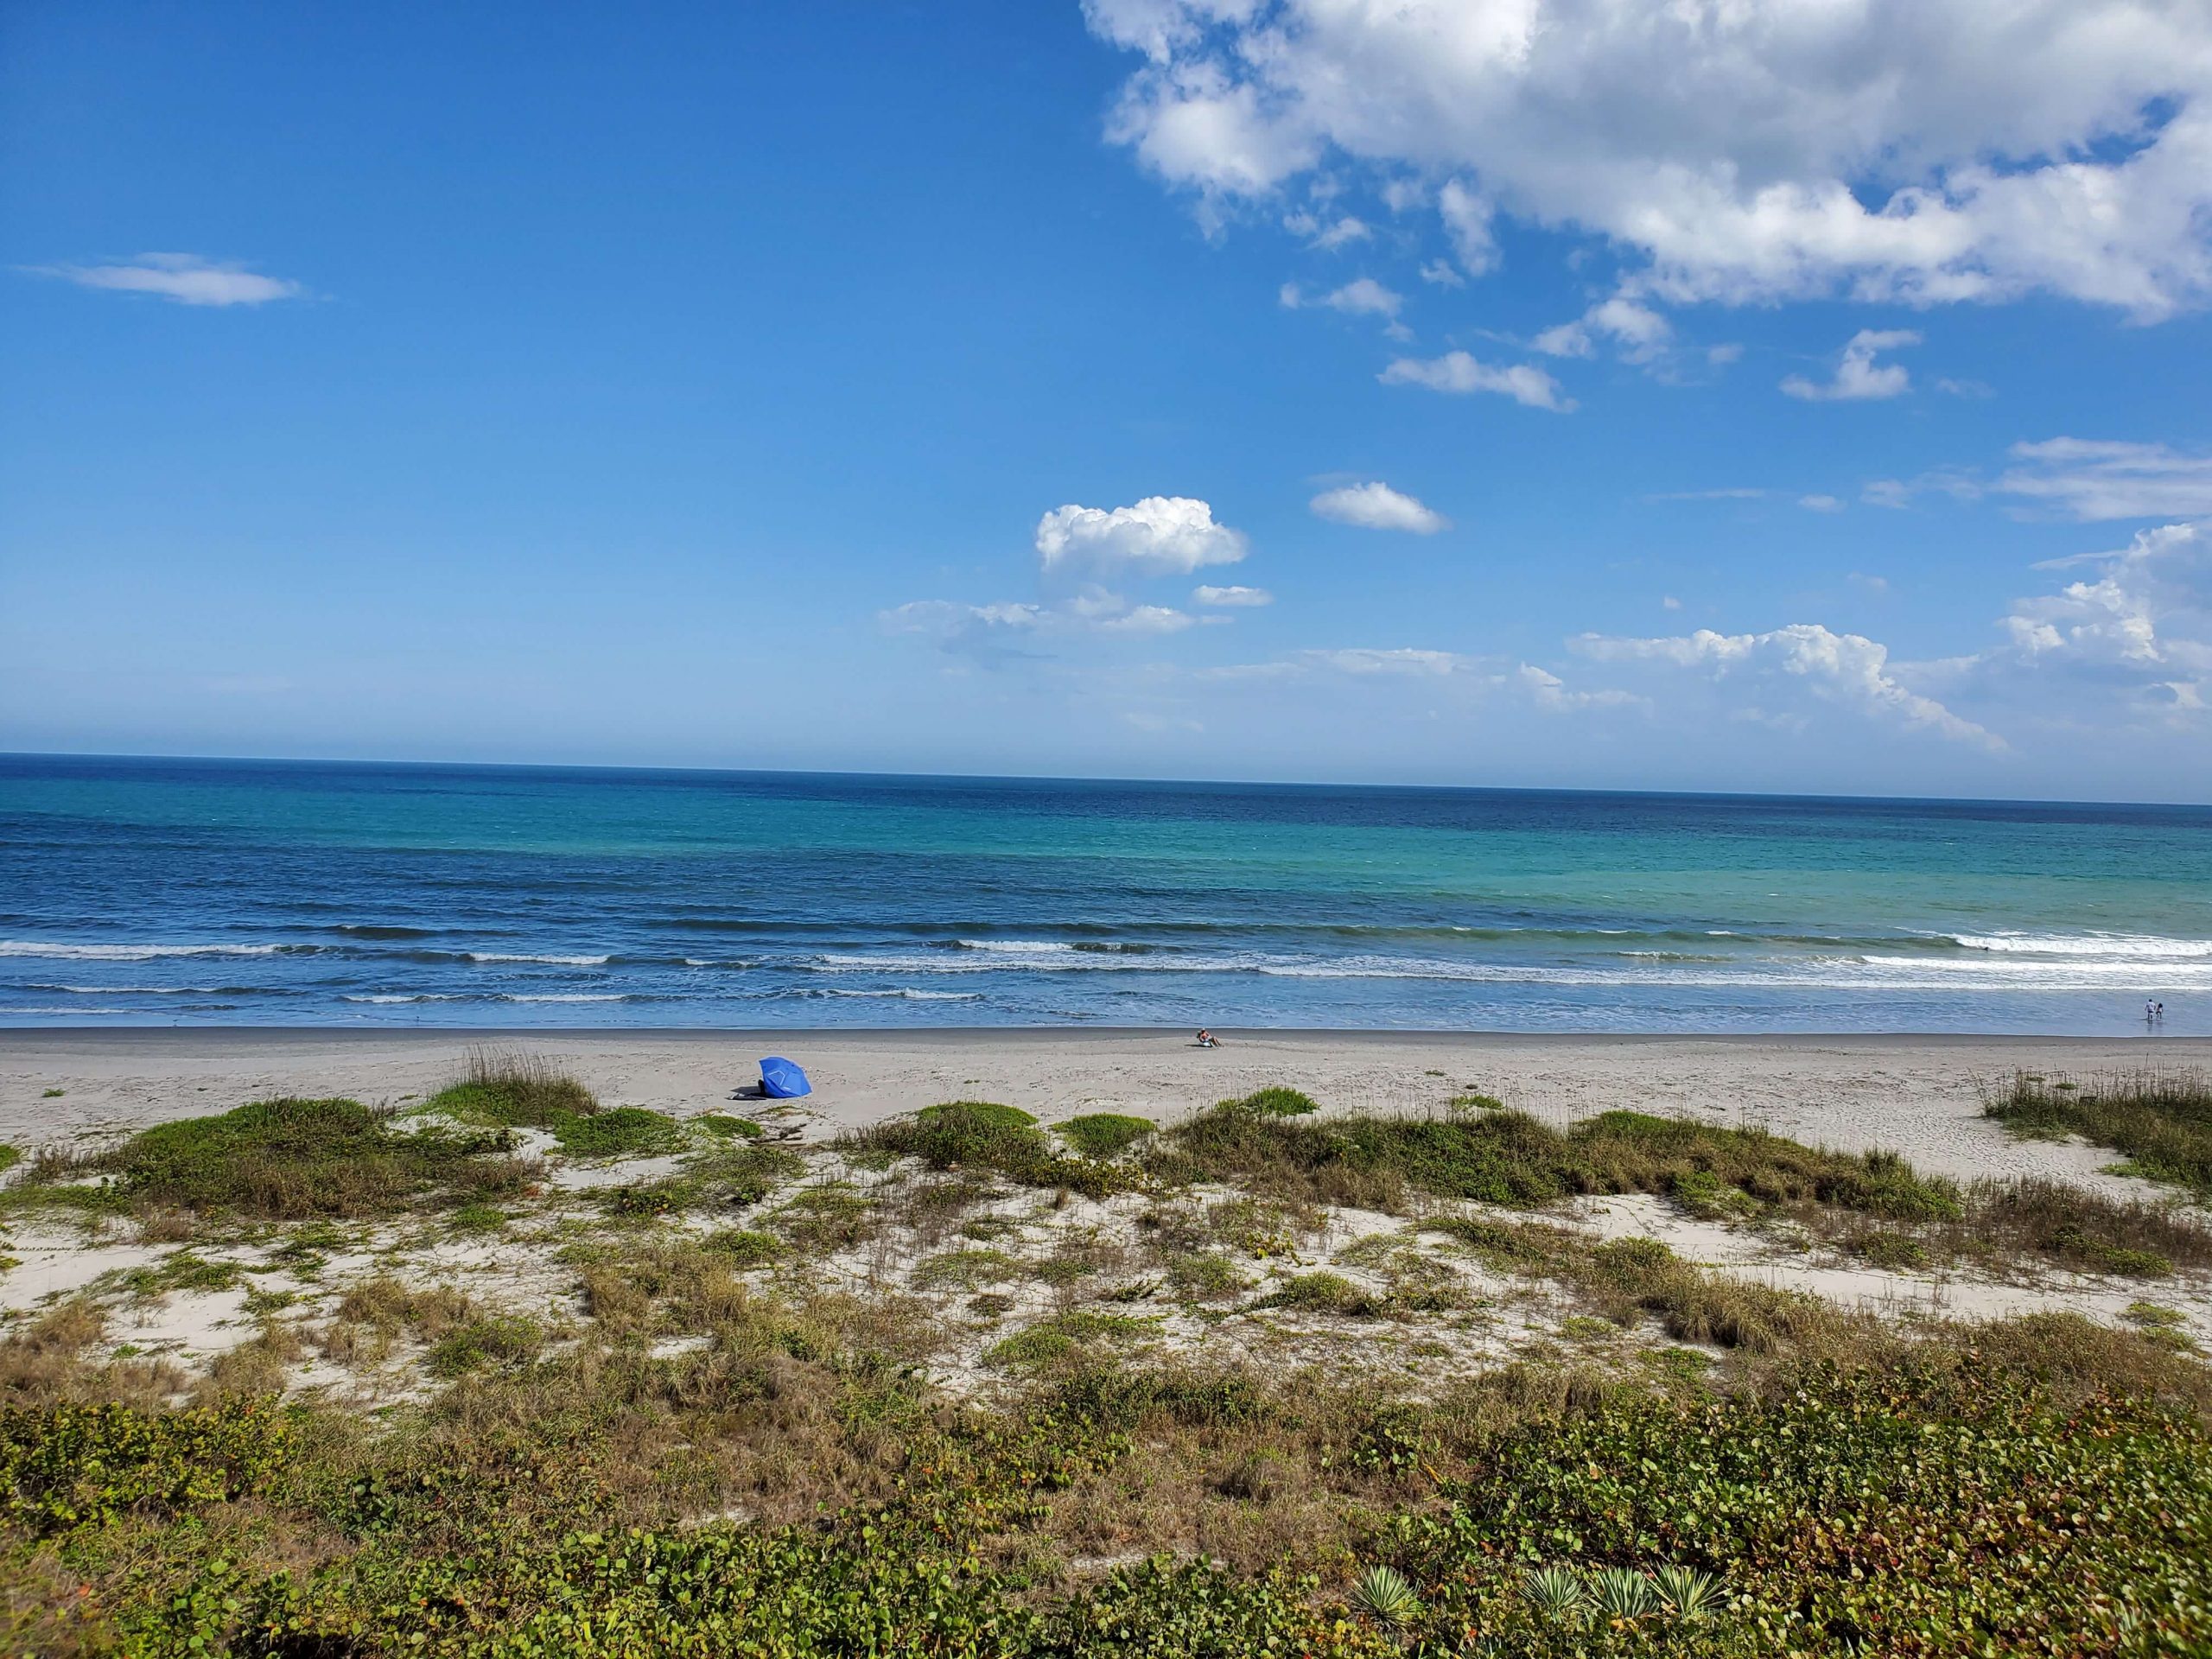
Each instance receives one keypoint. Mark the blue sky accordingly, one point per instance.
(1813, 398)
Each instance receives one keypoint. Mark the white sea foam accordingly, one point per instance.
(2117, 947)
(126, 952)
(406, 996)
(568, 997)
(911, 994)
(558, 962)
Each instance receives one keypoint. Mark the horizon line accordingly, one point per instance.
(1871, 797)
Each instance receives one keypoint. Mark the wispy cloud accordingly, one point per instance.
(1459, 372)
(1232, 598)
(186, 278)
(2088, 479)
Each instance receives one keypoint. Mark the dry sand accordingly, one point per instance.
(1919, 1095)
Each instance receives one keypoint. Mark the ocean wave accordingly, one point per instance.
(378, 931)
(568, 997)
(558, 962)
(170, 990)
(404, 996)
(905, 992)
(2118, 947)
(59, 952)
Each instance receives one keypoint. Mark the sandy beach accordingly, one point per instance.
(1918, 1094)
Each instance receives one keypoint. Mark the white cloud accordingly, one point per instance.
(1669, 602)
(184, 277)
(1395, 660)
(1232, 598)
(1844, 668)
(1440, 273)
(1456, 371)
(1345, 230)
(1547, 690)
(2149, 607)
(1361, 297)
(1738, 150)
(1467, 216)
(1639, 333)
(1377, 506)
(1148, 619)
(2088, 479)
(1820, 504)
(1857, 375)
(1161, 535)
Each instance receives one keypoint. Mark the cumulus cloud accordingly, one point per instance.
(1457, 371)
(186, 278)
(1161, 536)
(2088, 479)
(1857, 375)
(2147, 607)
(1847, 668)
(1885, 149)
(1377, 506)
(1820, 504)
(1231, 598)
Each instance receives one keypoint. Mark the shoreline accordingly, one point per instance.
(1919, 1095)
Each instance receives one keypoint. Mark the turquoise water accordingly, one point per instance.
(249, 892)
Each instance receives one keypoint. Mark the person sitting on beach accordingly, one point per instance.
(1207, 1040)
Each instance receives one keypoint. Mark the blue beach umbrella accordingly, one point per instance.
(781, 1080)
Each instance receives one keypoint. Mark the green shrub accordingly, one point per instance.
(622, 1131)
(67, 1466)
(743, 1247)
(979, 1135)
(1277, 1101)
(724, 1127)
(292, 1160)
(1102, 1135)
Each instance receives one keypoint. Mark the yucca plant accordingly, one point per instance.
(1690, 1594)
(1555, 1592)
(1624, 1593)
(1384, 1594)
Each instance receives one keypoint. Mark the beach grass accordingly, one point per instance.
(2161, 1121)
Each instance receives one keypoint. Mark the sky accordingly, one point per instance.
(1774, 395)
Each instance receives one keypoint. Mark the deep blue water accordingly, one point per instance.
(226, 892)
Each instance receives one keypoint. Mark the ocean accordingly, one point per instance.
(145, 892)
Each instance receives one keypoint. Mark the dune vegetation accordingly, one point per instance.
(505, 1372)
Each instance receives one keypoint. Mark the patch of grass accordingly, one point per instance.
(724, 1127)
(182, 1270)
(1103, 1134)
(52, 1094)
(291, 1159)
(1061, 1337)
(1506, 1157)
(621, 1132)
(1204, 1277)
(967, 1269)
(2081, 1228)
(477, 1218)
(831, 1215)
(1276, 1102)
(502, 1340)
(1880, 1249)
(1321, 1292)
(10, 1157)
(981, 1134)
(2162, 1120)
(1472, 1102)
(742, 1247)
